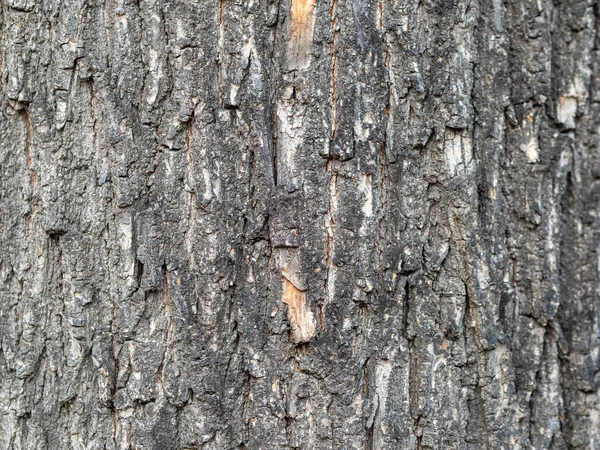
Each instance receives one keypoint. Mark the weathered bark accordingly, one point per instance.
(308, 224)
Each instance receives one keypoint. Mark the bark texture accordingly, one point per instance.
(299, 224)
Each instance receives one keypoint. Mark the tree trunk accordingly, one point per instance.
(299, 224)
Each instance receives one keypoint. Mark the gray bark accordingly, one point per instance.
(299, 224)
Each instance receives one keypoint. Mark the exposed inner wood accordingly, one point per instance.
(300, 316)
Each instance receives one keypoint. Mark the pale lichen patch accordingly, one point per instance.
(530, 145)
(566, 110)
(329, 239)
(458, 152)
(365, 187)
(531, 149)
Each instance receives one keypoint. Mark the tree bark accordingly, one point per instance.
(299, 224)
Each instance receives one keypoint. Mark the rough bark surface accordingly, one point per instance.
(299, 224)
